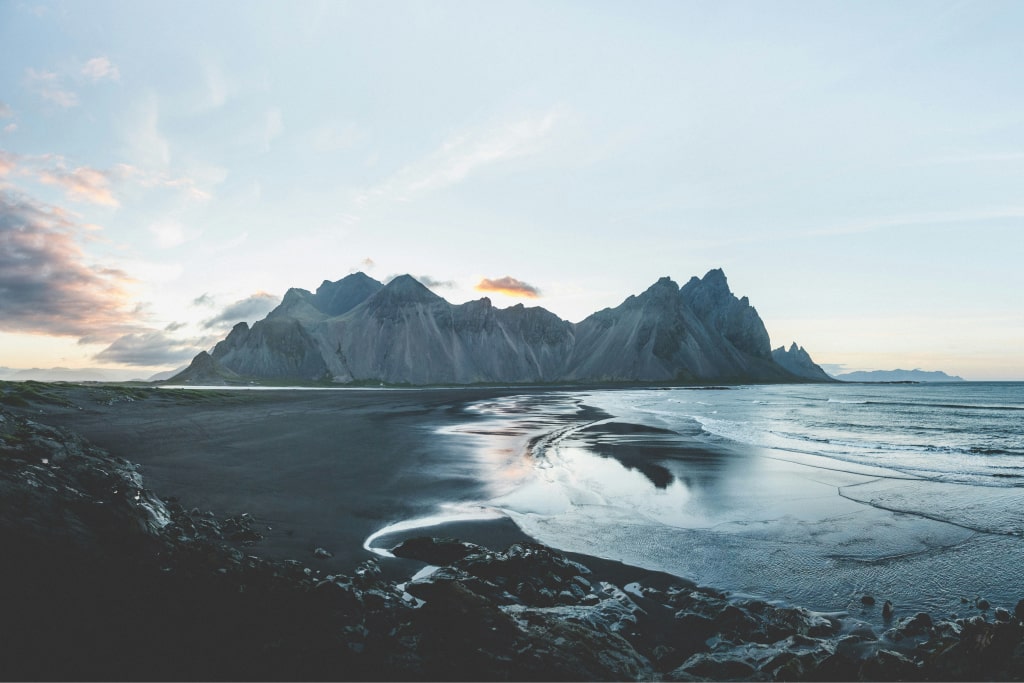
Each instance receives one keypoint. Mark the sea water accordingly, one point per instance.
(809, 494)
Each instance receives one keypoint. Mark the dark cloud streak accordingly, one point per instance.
(248, 309)
(149, 349)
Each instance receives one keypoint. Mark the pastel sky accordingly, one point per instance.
(856, 168)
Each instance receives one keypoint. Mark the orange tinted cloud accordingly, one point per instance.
(509, 286)
(83, 183)
(47, 285)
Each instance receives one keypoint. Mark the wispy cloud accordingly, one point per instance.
(434, 283)
(972, 158)
(8, 162)
(923, 218)
(83, 183)
(48, 85)
(509, 286)
(366, 264)
(249, 309)
(46, 285)
(152, 348)
(5, 111)
(160, 179)
(263, 131)
(148, 145)
(468, 153)
(332, 138)
(168, 233)
(100, 69)
(94, 185)
(465, 154)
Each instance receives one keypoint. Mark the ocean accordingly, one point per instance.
(813, 495)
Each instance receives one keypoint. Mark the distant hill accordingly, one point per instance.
(358, 330)
(68, 375)
(898, 376)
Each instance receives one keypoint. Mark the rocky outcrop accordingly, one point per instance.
(357, 330)
(698, 333)
(797, 361)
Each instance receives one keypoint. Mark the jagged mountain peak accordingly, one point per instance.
(360, 330)
(713, 287)
(402, 291)
(340, 297)
(797, 361)
(407, 285)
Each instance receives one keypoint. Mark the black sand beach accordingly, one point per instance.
(319, 468)
(279, 474)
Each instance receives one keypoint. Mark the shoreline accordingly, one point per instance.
(385, 449)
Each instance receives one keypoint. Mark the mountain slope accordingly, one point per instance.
(799, 362)
(358, 330)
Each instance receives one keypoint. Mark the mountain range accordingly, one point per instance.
(360, 331)
(898, 376)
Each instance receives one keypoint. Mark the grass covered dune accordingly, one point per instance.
(168, 534)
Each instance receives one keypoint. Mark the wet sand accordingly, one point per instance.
(314, 468)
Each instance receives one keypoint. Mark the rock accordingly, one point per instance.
(709, 666)
(435, 551)
(1002, 614)
(916, 625)
(886, 665)
(1018, 611)
(867, 600)
(887, 610)
(322, 554)
(982, 604)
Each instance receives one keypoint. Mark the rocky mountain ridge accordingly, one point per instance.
(358, 330)
(798, 361)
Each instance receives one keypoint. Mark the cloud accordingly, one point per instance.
(83, 183)
(434, 283)
(47, 84)
(10, 127)
(273, 127)
(46, 286)
(366, 264)
(150, 348)
(251, 308)
(143, 135)
(168, 233)
(508, 286)
(204, 299)
(333, 138)
(8, 162)
(99, 69)
(461, 156)
(465, 154)
(159, 179)
(5, 111)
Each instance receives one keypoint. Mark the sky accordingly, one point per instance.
(168, 169)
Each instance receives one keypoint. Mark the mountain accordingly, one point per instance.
(68, 375)
(898, 376)
(358, 330)
(799, 362)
